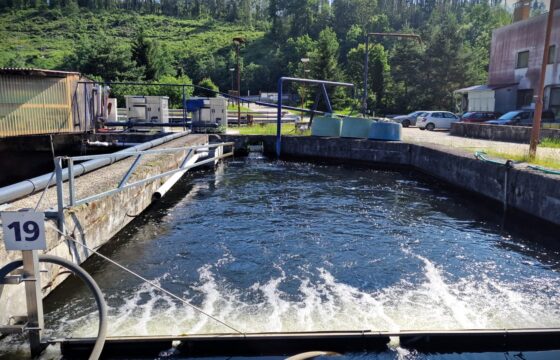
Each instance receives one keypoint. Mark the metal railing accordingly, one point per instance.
(123, 185)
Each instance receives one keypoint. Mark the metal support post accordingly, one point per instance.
(88, 125)
(238, 88)
(130, 171)
(366, 68)
(71, 187)
(35, 320)
(185, 110)
(59, 194)
(279, 118)
(326, 96)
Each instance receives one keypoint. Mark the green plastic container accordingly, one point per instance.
(354, 127)
(326, 126)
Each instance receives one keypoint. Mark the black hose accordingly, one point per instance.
(82, 274)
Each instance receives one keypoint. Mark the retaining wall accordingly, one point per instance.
(530, 191)
(94, 223)
(517, 134)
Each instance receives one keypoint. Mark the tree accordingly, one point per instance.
(447, 64)
(99, 56)
(206, 83)
(324, 59)
(149, 56)
(349, 12)
(378, 71)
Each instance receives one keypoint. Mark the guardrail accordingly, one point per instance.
(73, 201)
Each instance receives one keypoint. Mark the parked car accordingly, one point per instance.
(522, 118)
(436, 120)
(480, 116)
(408, 120)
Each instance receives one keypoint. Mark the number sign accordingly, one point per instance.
(24, 230)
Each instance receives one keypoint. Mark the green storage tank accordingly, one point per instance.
(355, 127)
(326, 126)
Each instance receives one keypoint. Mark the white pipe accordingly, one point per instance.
(107, 144)
(163, 189)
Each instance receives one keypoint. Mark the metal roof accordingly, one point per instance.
(36, 72)
(484, 88)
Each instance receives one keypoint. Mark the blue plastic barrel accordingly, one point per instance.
(385, 130)
(355, 127)
(326, 126)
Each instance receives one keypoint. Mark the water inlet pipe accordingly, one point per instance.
(29, 186)
(82, 274)
(163, 189)
(109, 144)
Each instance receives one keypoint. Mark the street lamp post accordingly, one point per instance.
(237, 41)
(539, 98)
(366, 62)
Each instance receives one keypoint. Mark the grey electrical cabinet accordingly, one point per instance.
(149, 109)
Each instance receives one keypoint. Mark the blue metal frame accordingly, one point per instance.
(323, 84)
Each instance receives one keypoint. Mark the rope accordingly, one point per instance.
(52, 175)
(147, 281)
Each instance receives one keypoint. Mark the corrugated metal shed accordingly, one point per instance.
(36, 101)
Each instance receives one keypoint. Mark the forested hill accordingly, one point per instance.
(191, 40)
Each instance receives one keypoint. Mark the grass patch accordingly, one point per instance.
(234, 109)
(544, 162)
(270, 129)
(550, 143)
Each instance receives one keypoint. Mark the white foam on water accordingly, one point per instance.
(433, 303)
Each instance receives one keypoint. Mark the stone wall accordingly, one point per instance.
(517, 134)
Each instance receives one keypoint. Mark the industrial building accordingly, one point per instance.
(36, 101)
(515, 62)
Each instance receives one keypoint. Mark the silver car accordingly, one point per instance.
(410, 119)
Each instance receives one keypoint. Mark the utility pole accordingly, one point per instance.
(238, 41)
(539, 97)
(366, 62)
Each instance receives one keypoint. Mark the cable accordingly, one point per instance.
(147, 281)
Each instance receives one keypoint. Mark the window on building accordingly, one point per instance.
(551, 54)
(554, 103)
(524, 98)
(522, 59)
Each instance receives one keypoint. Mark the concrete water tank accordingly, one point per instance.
(355, 127)
(326, 126)
(385, 130)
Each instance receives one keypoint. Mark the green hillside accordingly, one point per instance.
(43, 38)
(132, 40)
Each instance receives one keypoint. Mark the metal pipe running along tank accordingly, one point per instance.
(29, 186)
